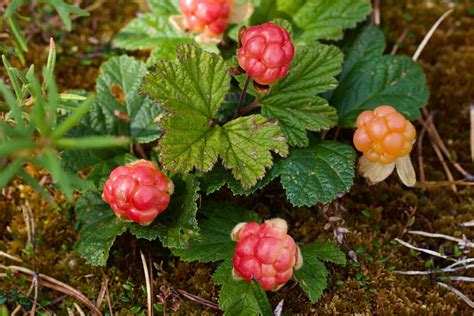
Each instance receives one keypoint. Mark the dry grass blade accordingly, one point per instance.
(198, 299)
(428, 36)
(471, 110)
(149, 293)
(54, 284)
(8, 256)
(458, 293)
(461, 242)
(427, 251)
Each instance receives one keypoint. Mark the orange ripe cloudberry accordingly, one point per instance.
(386, 138)
(265, 252)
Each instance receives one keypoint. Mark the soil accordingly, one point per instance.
(373, 215)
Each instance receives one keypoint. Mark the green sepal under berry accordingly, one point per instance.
(240, 297)
(192, 90)
(213, 242)
(99, 226)
(313, 274)
(293, 101)
(370, 79)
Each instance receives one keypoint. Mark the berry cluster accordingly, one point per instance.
(210, 17)
(384, 135)
(266, 53)
(138, 192)
(265, 252)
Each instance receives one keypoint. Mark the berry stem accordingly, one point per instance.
(249, 108)
(242, 96)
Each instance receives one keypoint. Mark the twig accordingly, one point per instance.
(460, 278)
(399, 41)
(458, 293)
(437, 184)
(198, 299)
(101, 296)
(460, 262)
(471, 111)
(461, 242)
(6, 255)
(54, 284)
(148, 285)
(35, 300)
(428, 36)
(445, 270)
(467, 224)
(427, 251)
(376, 13)
(79, 309)
(419, 147)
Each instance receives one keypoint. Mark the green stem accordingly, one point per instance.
(242, 96)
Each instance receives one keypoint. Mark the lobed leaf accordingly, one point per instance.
(214, 242)
(293, 101)
(240, 297)
(370, 79)
(192, 90)
(98, 228)
(312, 276)
(318, 173)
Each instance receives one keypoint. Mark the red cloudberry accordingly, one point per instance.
(265, 252)
(138, 192)
(266, 53)
(210, 17)
(385, 137)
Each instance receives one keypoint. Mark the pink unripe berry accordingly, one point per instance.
(266, 53)
(210, 17)
(265, 252)
(138, 192)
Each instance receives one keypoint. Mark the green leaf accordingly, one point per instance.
(50, 161)
(326, 251)
(192, 91)
(219, 177)
(76, 160)
(152, 30)
(98, 228)
(326, 19)
(240, 297)
(213, 242)
(118, 90)
(246, 145)
(65, 10)
(293, 101)
(163, 7)
(370, 79)
(10, 171)
(17, 33)
(178, 223)
(318, 173)
(101, 171)
(312, 275)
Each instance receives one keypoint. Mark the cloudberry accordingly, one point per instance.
(385, 137)
(138, 192)
(266, 53)
(265, 252)
(210, 17)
